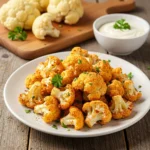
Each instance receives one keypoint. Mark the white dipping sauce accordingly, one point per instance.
(135, 31)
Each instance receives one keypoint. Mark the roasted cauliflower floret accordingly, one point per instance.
(115, 88)
(103, 99)
(65, 96)
(69, 11)
(49, 109)
(92, 84)
(78, 102)
(74, 118)
(52, 63)
(42, 27)
(47, 85)
(41, 5)
(104, 69)
(18, 13)
(97, 111)
(77, 63)
(131, 93)
(120, 108)
(118, 75)
(39, 69)
(33, 97)
(31, 79)
(68, 76)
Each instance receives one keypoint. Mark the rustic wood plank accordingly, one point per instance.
(138, 135)
(13, 134)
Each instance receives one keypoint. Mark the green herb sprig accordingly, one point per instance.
(57, 80)
(122, 25)
(17, 34)
(130, 75)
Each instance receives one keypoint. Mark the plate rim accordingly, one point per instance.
(67, 134)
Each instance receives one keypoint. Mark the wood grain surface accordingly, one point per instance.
(16, 136)
(70, 35)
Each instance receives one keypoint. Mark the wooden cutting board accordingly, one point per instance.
(70, 35)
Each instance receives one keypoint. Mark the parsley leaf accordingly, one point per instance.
(122, 25)
(57, 80)
(130, 75)
(63, 125)
(17, 34)
(54, 126)
(97, 69)
(27, 111)
(109, 60)
(139, 86)
(148, 68)
(79, 61)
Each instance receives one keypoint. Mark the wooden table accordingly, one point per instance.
(16, 136)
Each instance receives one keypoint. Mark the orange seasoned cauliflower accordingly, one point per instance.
(31, 79)
(103, 99)
(118, 75)
(46, 84)
(92, 84)
(65, 96)
(74, 118)
(115, 88)
(77, 63)
(49, 109)
(120, 107)
(33, 97)
(52, 63)
(97, 111)
(131, 93)
(104, 69)
(78, 102)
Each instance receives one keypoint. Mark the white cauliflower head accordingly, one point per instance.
(68, 10)
(18, 13)
(120, 107)
(49, 109)
(96, 111)
(75, 118)
(42, 26)
(41, 5)
(65, 96)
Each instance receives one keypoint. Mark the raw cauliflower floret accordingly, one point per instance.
(74, 118)
(131, 93)
(120, 107)
(41, 5)
(104, 69)
(52, 63)
(65, 96)
(97, 111)
(91, 58)
(49, 109)
(77, 63)
(118, 75)
(92, 84)
(115, 88)
(42, 27)
(47, 85)
(18, 13)
(33, 97)
(31, 79)
(69, 11)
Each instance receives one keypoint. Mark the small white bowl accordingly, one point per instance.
(115, 45)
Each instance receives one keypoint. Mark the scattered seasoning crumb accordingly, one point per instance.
(60, 25)
(140, 86)
(109, 60)
(79, 61)
(68, 94)
(74, 79)
(63, 125)
(130, 75)
(54, 126)
(148, 68)
(27, 111)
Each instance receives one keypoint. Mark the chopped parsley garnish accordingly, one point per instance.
(27, 111)
(91, 83)
(68, 130)
(63, 125)
(79, 61)
(74, 79)
(68, 94)
(61, 60)
(104, 61)
(33, 97)
(60, 25)
(57, 80)
(54, 126)
(140, 86)
(97, 69)
(122, 25)
(148, 68)
(109, 60)
(17, 34)
(130, 75)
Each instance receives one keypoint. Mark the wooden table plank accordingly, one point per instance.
(13, 134)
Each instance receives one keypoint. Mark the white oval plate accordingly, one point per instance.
(15, 85)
